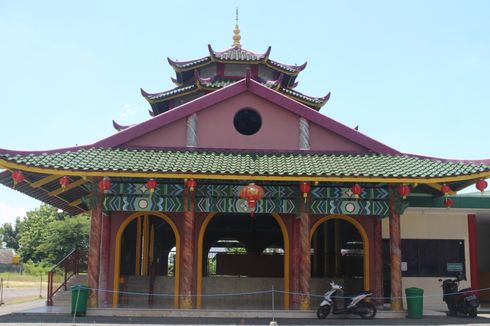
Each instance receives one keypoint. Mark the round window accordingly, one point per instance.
(247, 122)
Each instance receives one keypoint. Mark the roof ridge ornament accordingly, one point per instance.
(236, 32)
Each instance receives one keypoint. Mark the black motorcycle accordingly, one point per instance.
(462, 301)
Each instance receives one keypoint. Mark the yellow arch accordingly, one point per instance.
(200, 241)
(117, 255)
(362, 232)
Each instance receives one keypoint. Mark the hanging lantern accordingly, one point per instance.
(191, 184)
(305, 188)
(151, 185)
(445, 189)
(448, 202)
(105, 184)
(64, 181)
(356, 190)
(404, 190)
(252, 193)
(481, 185)
(17, 177)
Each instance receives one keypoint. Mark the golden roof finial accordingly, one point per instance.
(236, 32)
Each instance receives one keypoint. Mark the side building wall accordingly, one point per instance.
(433, 224)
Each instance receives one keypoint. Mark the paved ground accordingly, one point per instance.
(21, 319)
(12, 314)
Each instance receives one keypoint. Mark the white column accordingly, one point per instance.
(304, 134)
(191, 133)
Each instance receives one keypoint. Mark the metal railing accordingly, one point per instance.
(73, 264)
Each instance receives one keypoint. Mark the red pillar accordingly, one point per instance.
(395, 255)
(378, 262)
(304, 261)
(295, 262)
(473, 243)
(105, 245)
(187, 248)
(94, 254)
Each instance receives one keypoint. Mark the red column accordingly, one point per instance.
(295, 262)
(105, 245)
(304, 261)
(94, 254)
(187, 248)
(395, 255)
(473, 243)
(378, 262)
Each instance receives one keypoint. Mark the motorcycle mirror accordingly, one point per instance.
(440, 280)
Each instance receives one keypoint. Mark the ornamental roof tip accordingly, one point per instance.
(316, 101)
(119, 127)
(288, 68)
(187, 64)
(162, 95)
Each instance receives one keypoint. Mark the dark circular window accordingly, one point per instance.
(247, 121)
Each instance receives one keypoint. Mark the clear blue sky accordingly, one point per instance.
(412, 74)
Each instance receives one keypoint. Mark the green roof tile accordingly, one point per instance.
(250, 163)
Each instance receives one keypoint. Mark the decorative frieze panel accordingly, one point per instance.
(143, 203)
(225, 198)
(233, 191)
(237, 205)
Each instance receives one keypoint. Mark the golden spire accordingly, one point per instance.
(236, 32)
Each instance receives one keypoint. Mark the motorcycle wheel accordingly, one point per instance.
(367, 310)
(472, 312)
(323, 312)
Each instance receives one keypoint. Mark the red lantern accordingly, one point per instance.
(404, 190)
(252, 193)
(17, 177)
(64, 181)
(356, 190)
(151, 185)
(481, 185)
(305, 189)
(105, 184)
(445, 189)
(448, 202)
(191, 184)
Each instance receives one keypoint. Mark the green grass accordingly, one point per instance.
(17, 280)
(17, 277)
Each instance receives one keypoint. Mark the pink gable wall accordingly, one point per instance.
(171, 135)
(215, 129)
(279, 129)
(322, 139)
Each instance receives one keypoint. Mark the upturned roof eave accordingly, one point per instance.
(92, 165)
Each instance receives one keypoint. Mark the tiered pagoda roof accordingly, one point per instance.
(219, 69)
(227, 74)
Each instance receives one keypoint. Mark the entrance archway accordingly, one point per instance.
(253, 246)
(150, 243)
(340, 248)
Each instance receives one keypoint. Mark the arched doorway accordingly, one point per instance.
(340, 252)
(146, 261)
(248, 270)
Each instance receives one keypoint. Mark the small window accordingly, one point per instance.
(247, 122)
(430, 258)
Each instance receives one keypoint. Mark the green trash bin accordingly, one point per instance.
(79, 297)
(415, 302)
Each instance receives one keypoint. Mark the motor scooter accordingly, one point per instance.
(462, 301)
(357, 305)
